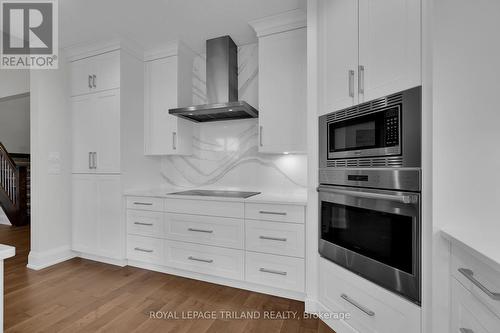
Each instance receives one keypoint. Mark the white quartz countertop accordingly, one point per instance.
(7, 251)
(480, 242)
(296, 197)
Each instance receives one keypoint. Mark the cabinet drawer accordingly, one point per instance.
(372, 308)
(275, 237)
(468, 315)
(145, 249)
(145, 203)
(145, 223)
(205, 207)
(209, 230)
(272, 212)
(275, 271)
(465, 267)
(205, 259)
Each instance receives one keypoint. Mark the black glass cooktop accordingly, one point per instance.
(216, 193)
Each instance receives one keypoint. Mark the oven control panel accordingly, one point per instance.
(391, 134)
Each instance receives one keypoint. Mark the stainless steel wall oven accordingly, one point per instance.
(369, 192)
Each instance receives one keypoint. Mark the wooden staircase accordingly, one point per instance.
(15, 186)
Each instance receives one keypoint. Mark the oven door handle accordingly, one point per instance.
(406, 199)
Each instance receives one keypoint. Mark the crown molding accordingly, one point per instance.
(290, 20)
(168, 50)
(89, 49)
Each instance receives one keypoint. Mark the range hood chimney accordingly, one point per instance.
(222, 87)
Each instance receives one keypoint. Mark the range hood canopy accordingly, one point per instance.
(222, 87)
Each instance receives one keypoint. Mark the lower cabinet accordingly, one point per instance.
(97, 209)
(372, 308)
(193, 236)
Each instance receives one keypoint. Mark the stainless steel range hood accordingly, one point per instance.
(222, 87)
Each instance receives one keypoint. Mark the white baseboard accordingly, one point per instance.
(111, 261)
(40, 260)
(222, 281)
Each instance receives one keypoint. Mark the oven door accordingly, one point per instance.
(375, 234)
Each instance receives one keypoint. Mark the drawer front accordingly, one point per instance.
(145, 223)
(468, 315)
(271, 212)
(209, 230)
(372, 308)
(465, 268)
(217, 261)
(145, 249)
(205, 207)
(145, 203)
(275, 238)
(275, 271)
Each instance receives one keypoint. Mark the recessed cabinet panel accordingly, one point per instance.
(338, 54)
(389, 47)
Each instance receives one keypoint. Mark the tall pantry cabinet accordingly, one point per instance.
(106, 91)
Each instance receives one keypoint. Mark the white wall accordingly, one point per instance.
(50, 199)
(14, 82)
(15, 123)
(466, 134)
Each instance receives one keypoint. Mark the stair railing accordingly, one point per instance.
(9, 175)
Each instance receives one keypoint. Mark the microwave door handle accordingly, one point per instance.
(406, 199)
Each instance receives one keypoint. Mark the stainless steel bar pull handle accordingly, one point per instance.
(143, 250)
(142, 223)
(174, 139)
(361, 79)
(94, 154)
(271, 213)
(143, 203)
(469, 274)
(272, 271)
(93, 80)
(273, 238)
(465, 330)
(90, 160)
(260, 135)
(406, 199)
(202, 260)
(90, 81)
(351, 83)
(200, 230)
(359, 306)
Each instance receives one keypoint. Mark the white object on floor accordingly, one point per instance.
(6, 251)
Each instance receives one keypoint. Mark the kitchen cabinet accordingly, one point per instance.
(282, 83)
(168, 84)
(96, 73)
(367, 49)
(96, 215)
(96, 132)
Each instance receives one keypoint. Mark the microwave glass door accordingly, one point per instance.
(373, 134)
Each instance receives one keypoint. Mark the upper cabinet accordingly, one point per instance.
(168, 84)
(95, 73)
(367, 49)
(282, 82)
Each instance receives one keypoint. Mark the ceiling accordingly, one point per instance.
(152, 23)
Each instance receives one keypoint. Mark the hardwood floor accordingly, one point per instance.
(85, 296)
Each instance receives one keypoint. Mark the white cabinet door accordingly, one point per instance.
(389, 47)
(80, 77)
(338, 54)
(106, 130)
(111, 227)
(84, 118)
(94, 74)
(282, 92)
(85, 214)
(164, 134)
(96, 216)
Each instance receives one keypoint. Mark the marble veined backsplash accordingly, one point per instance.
(225, 153)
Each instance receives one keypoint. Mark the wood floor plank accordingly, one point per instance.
(80, 295)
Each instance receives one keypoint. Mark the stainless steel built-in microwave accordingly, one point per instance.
(381, 133)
